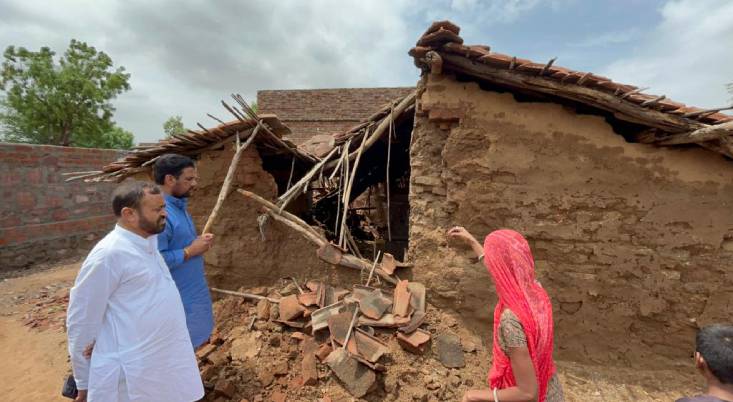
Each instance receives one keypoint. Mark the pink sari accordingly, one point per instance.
(511, 265)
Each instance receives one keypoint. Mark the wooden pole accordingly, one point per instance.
(704, 134)
(228, 179)
(300, 226)
(293, 191)
(382, 127)
(389, 155)
(245, 295)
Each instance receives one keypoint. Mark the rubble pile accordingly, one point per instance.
(46, 308)
(320, 342)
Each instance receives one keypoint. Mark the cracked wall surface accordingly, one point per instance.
(634, 243)
(240, 257)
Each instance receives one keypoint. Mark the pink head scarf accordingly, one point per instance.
(509, 261)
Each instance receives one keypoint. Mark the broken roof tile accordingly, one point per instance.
(307, 299)
(290, 308)
(416, 342)
(374, 305)
(401, 299)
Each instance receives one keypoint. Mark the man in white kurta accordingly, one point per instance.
(125, 303)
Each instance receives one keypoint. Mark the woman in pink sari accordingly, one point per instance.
(522, 369)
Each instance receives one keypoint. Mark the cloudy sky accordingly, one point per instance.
(185, 56)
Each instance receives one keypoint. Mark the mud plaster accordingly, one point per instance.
(633, 242)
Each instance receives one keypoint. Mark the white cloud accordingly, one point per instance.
(608, 38)
(186, 56)
(687, 56)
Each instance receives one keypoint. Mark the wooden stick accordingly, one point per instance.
(344, 186)
(632, 92)
(350, 184)
(547, 66)
(300, 226)
(406, 102)
(701, 112)
(215, 118)
(351, 327)
(340, 160)
(85, 176)
(374, 265)
(228, 179)
(293, 191)
(295, 225)
(274, 208)
(583, 78)
(354, 247)
(389, 154)
(703, 134)
(653, 101)
(271, 135)
(78, 173)
(245, 295)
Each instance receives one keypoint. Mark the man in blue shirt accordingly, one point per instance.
(181, 248)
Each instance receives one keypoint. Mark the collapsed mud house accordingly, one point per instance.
(624, 197)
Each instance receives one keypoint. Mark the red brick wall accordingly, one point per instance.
(42, 217)
(309, 112)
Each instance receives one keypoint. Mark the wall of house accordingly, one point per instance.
(43, 218)
(634, 243)
(310, 112)
(240, 257)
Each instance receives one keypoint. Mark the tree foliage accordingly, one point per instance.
(174, 125)
(61, 103)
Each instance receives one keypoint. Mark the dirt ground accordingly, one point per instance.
(32, 340)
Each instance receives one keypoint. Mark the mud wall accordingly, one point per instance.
(239, 256)
(634, 243)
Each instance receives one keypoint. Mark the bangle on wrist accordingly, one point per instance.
(479, 258)
(186, 254)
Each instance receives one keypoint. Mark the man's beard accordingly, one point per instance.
(184, 195)
(151, 227)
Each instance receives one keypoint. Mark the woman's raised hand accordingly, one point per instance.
(459, 232)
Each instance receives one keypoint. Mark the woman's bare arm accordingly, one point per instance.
(459, 232)
(524, 391)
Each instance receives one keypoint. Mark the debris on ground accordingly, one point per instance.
(48, 307)
(321, 342)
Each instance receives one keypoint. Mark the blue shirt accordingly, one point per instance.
(189, 275)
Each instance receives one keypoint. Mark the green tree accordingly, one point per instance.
(174, 125)
(61, 103)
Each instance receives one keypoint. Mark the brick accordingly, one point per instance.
(309, 370)
(25, 199)
(225, 388)
(427, 181)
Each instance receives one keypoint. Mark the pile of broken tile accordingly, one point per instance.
(332, 319)
(337, 327)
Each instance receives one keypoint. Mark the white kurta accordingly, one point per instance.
(125, 299)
